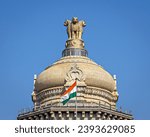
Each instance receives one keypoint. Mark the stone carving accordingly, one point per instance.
(49, 93)
(75, 74)
(76, 43)
(99, 92)
(74, 28)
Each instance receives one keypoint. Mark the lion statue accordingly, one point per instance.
(74, 28)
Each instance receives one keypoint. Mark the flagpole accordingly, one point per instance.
(76, 101)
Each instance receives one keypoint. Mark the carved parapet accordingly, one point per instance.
(99, 92)
(49, 93)
(85, 94)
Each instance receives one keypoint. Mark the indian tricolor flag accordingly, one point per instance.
(71, 92)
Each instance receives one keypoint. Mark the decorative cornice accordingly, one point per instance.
(53, 112)
(100, 92)
(88, 92)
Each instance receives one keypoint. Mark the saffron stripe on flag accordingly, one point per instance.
(69, 89)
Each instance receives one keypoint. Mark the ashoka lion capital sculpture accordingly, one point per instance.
(74, 28)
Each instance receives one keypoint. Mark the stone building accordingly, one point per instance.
(96, 88)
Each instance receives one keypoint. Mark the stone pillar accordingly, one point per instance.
(83, 114)
(98, 115)
(47, 116)
(75, 115)
(60, 115)
(104, 116)
(91, 115)
(67, 115)
(41, 117)
(52, 115)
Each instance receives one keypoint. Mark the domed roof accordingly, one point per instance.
(94, 84)
(55, 75)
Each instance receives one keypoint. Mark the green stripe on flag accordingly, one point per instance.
(70, 96)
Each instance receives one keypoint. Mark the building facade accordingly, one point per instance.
(96, 88)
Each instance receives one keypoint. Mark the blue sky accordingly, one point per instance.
(117, 37)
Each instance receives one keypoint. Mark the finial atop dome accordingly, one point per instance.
(74, 44)
(74, 28)
(74, 31)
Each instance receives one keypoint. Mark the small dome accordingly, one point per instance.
(55, 75)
